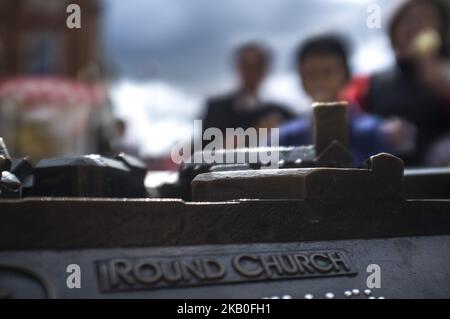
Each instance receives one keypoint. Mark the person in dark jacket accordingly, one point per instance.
(417, 88)
(243, 108)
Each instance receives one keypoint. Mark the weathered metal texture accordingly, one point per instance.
(382, 180)
(4, 150)
(23, 170)
(5, 163)
(88, 176)
(10, 186)
(412, 267)
(239, 159)
(83, 223)
(431, 183)
(334, 155)
(330, 222)
(330, 124)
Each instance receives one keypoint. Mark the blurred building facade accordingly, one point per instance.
(34, 39)
(52, 99)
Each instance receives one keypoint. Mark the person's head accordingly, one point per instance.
(413, 18)
(252, 62)
(323, 67)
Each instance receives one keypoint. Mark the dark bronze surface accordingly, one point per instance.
(83, 223)
(381, 180)
(311, 227)
(411, 267)
(124, 274)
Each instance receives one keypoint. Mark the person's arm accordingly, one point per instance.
(365, 137)
(370, 134)
(435, 72)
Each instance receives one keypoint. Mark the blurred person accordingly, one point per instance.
(101, 124)
(322, 64)
(417, 88)
(271, 117)
(119, 142)
(244, 108)
(439, 153)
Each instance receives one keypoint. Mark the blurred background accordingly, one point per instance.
(137, 73)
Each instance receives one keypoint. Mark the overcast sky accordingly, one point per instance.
(188, 42)
(182, 48)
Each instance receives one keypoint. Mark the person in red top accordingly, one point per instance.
(417, 88)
